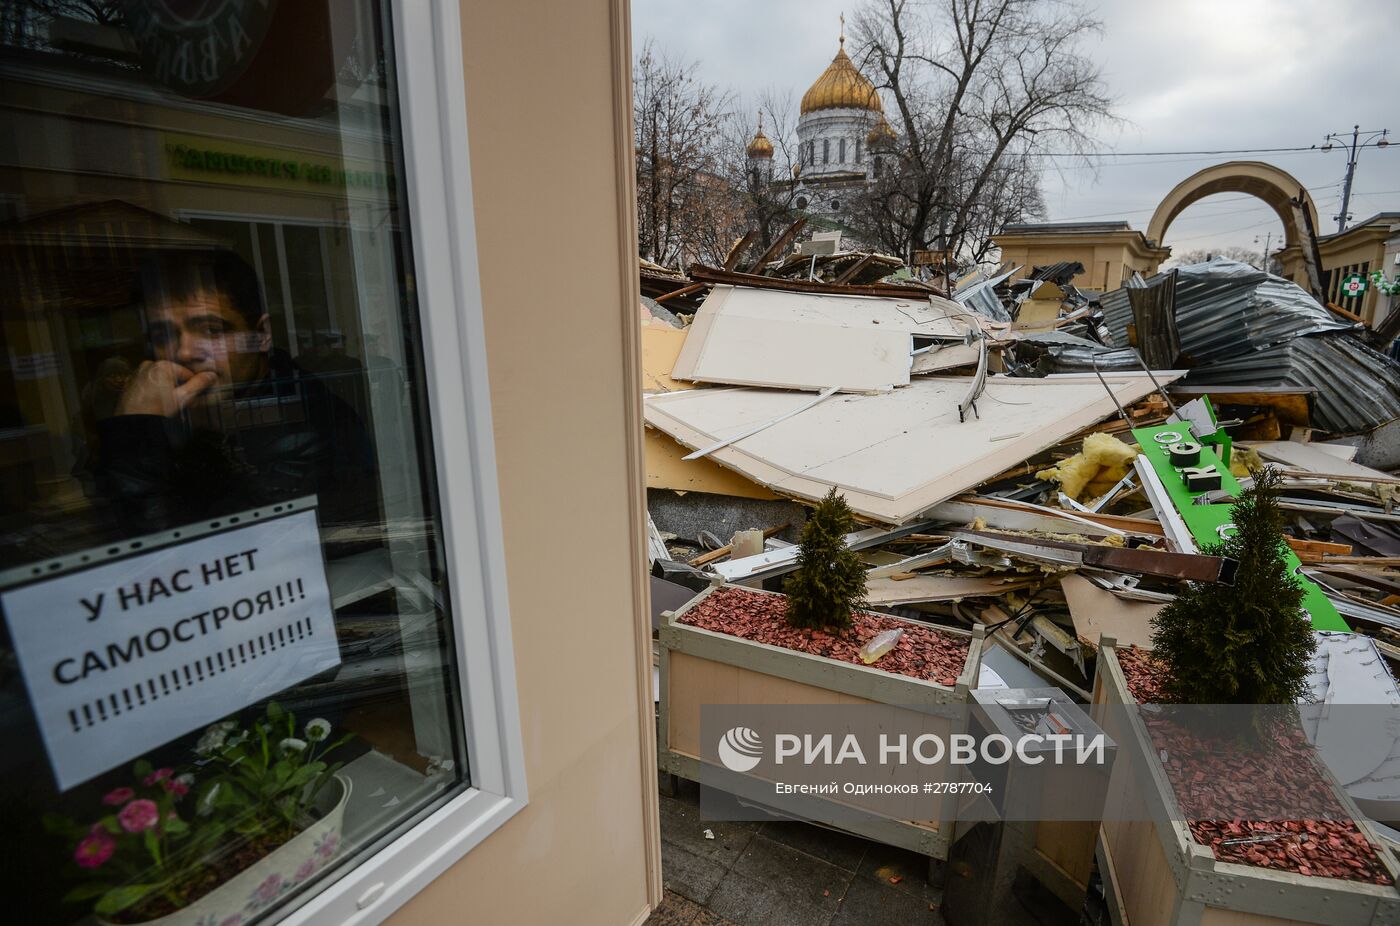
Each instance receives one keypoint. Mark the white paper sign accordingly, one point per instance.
(124, 657)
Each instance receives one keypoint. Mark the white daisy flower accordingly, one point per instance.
(318, 729)
(212, 741)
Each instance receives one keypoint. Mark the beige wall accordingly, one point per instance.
(1104, 256)
(1362, 245)
(565, 387)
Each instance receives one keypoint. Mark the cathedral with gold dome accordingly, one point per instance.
(844, 140)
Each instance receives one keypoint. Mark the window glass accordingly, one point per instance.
(226, 659)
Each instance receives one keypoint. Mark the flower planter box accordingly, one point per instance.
(280, 872)
(1155, 873)
(700, 667)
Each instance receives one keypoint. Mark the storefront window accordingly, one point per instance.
(227, 664)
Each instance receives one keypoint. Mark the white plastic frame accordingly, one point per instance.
(432, 106)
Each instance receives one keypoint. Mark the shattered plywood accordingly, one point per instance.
(757, 337)
(1098, 612)
(666, 469)
(893, 455)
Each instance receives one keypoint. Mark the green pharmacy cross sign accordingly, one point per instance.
(1189, 467)
(1353, 285)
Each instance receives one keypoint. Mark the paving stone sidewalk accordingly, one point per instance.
(785, 873)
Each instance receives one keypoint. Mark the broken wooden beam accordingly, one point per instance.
(778, 246)
(731, 259)
(705, 274)
(683, 291)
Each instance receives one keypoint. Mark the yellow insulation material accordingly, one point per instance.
(1103, 461)
(1244, 460)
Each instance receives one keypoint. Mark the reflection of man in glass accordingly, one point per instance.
(206, 326)
(217, 420)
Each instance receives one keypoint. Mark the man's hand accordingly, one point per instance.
(163, 388)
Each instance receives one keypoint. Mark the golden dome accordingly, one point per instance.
(759, 146)
(841, 86)
(881, 134)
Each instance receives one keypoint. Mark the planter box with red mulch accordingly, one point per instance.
(1161, 869)
(733, 645)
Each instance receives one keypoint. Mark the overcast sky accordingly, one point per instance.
(1188, 75)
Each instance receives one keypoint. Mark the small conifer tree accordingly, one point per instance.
(1246, 643)
(829, 583)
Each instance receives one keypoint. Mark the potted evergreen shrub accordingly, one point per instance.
(829, 584)
(735, 645)
(1227, 667)
(1248, 642)
(256, 814)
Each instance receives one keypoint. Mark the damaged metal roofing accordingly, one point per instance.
(1225, 308)
(1357, 388)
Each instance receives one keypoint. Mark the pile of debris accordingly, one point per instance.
(1010, 460)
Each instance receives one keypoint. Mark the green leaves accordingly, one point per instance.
(86, 891)
(250, 784)
(119, 898)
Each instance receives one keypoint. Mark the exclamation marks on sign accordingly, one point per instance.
(73, 719)
(290, 593)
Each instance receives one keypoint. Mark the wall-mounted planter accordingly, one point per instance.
(700, 667)
(1156, 874)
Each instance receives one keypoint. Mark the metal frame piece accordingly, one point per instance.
(1178, 535)
(979, 382)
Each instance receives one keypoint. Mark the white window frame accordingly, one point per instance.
(432, 107)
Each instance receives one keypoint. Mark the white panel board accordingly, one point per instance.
(1294, 455)
(758, 337)
(895, 454)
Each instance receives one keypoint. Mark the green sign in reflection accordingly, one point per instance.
(1206, 522)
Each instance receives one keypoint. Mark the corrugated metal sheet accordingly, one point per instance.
(1225, 309)
(1357, 388)
(1058, 352)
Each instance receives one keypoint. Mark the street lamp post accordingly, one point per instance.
(1377, 138)
(1268, 240)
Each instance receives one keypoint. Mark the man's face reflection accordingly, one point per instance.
(204, 333)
